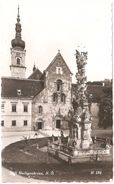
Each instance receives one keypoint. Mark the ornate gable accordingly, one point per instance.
(58, 66)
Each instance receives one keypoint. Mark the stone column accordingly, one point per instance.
(82, 114)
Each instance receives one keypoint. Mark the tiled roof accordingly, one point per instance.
(36, 75)
(28, 87)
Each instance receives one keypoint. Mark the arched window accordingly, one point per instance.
(55, 97)
(59, 85)
(63, 98)
(58, 123)
(40, 109)
(18, 61)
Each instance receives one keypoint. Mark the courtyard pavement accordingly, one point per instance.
(11, 137)
(8, 138)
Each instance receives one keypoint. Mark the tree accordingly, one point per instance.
(105, 109)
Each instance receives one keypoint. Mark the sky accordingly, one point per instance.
(49, 25)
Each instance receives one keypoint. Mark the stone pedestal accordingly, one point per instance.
(86, 135)
(85, 144)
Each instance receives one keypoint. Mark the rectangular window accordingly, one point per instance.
(13, 123)
(25, 108)
(55, 97)
(13, 107)
(2, 107)
(25, 122)
(63, 97)
(2, 123)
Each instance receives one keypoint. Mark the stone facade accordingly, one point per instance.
(55, 99)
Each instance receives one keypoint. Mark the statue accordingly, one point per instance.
(52, 138)
(59, 140)
(62, 137)
(82, 115)
(87, 116)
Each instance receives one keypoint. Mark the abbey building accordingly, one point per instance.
(41, 101)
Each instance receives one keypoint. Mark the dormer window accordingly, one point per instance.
(18, 61)
(59, 70)
(18, 92)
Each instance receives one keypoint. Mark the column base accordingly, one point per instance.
(85, 144)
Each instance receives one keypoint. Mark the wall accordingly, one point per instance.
(19, 115)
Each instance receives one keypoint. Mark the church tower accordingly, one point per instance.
(18, 52)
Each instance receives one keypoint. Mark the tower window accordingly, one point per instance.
(13, 123)
(18, 61)
(59, 85)
(40, 109)
(25, 122)
(13, 107)
(25, 108)
(2, 123)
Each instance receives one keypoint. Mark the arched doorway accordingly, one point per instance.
(39, 124)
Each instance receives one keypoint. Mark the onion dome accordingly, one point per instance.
(18, 42)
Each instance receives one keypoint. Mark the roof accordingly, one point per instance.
(28, 87)
(36, 74)
(58, 56)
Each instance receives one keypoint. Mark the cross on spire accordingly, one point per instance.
(18, 16)
(58, 50)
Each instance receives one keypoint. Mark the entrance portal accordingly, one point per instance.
(39, 125)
